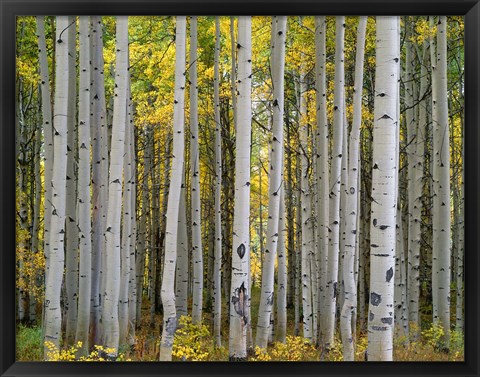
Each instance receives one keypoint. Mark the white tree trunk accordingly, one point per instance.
(282, 274)
(275, 183)
(322, 167)
(83, 204)
(441, 186)
(351, 208)
(240, 288)
(71, 230)
(100, 164)
(335, 173)
(56, 254)
(217, 268)
(414, 231)
(112, 233)
(306, 214)
(144, 220)
(125, 260)
(168, 280)
(132, 285)
(383, 208)
(181, 277)
(195, 181)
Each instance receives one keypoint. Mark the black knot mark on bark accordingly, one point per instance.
(389, 274)
(239, 301)
(171, 325)
(241, 251)
(387, 320)
(352, 190)
(270, 299)
(371, 316)
(374, 222)
(375, 299)
(383, 227)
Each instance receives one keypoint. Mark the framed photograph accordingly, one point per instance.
(246, 188)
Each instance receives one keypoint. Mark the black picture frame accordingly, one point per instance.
(9, 9)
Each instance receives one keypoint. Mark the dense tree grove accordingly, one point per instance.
(240, 188)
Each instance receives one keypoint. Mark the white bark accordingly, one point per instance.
(322, 166)
(275, 184)
(195, 181)
(144, 219)
(132, 285)
(414, 232)
(83, 204)
(240, 287)
(335, 174)
(125, 260)
(282, 274)
(168, 280)
(112, 233)
(71, 230)
(99, 175)
(181, 277)
(217, 268)
(56, 254)
(383, 207)
(441, 185)
(351, 208)
(306, 214)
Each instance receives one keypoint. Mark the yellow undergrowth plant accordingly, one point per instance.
(71, 353)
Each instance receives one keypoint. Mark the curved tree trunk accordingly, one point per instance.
(168, 279)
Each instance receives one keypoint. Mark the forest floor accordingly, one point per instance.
(195, 343)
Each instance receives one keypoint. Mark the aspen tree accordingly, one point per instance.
(275, 183)
(322, 166)
(335, 174)
(112, 232)
(71, 229)
(217, 268)
(84, 183)
(240, 287)
(125, 260)
(181, 277)
(351, 207)
(56, 254)
(282, 274)
(441, 185)
(384, 196)
(168, 279)
(196, 221)
(100, 163)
